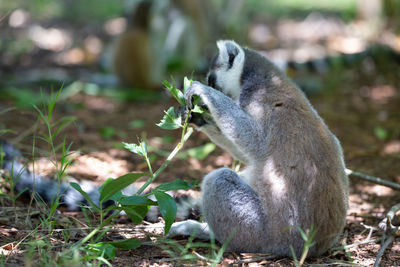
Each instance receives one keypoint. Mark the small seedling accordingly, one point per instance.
(308, 238)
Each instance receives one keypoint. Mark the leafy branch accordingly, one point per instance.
(137, 205)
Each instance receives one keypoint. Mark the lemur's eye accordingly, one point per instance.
(211, 80)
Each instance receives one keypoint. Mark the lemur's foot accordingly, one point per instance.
(189, 228)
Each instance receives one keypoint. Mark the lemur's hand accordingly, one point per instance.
(182, 112)
(199, 119)
(195, 118)
(196, 89)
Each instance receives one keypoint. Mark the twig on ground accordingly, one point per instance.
(382, 249)
(333, 263)
(358, 243)
(255, 259)
(202, 257)
(390, 230)
(373, 179)
(371, 230)
(5, 16)
(165, 260)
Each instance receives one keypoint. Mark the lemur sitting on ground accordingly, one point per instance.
(295, 175)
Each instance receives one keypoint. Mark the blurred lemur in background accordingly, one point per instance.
(295, 175)
(169, 37)
(161, 36)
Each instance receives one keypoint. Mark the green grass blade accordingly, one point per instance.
(130, 243)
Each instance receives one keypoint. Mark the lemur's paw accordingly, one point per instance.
(196, 89)
(195, 118)
(182, 112)
(189, 228)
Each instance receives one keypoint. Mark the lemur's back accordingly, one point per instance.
(294, 178)
(302, 165)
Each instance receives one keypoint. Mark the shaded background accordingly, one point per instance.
(43, 40)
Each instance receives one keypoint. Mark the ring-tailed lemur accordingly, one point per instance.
(295, 176)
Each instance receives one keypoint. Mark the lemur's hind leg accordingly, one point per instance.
(234, 211)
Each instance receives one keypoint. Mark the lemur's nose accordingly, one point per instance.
(212, 80)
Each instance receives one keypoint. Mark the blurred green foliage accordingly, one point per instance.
(346, 8)
(107, 132)
(101, 10)
(16, 47)
(70, 10)
(137, 124)
(381, 133)
(24, 98)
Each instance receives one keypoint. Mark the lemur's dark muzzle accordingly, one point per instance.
(212, 80)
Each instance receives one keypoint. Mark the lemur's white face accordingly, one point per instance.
(226, 69)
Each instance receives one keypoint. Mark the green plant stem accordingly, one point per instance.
(149, 164)
(185, 125)
(167, 161)
(303, 255)
(98, 228)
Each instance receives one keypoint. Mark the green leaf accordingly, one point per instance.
(137, 201)
(144, 147)
(52, 103)
(167, 207)
(137, 124)
(140, 149)
(169, 121)
(63, 123)
(197, 109)
(54, 205)
(186, 84)
(117, 196)
(294, 256)
(107, 132)
(175, 185)
(136, 213)
(176, 93)
(118, 184)
(201, 152)
(78, 188)
(303, 234)
(130, 243)
(381, 133)
(102, 249)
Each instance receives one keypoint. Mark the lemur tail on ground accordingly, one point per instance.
(47, 189)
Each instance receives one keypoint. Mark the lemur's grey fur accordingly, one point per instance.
(295, 174)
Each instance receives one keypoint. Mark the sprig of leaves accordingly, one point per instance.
(175, 92)
(170, 121)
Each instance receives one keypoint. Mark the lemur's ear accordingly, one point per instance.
(230, 52)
